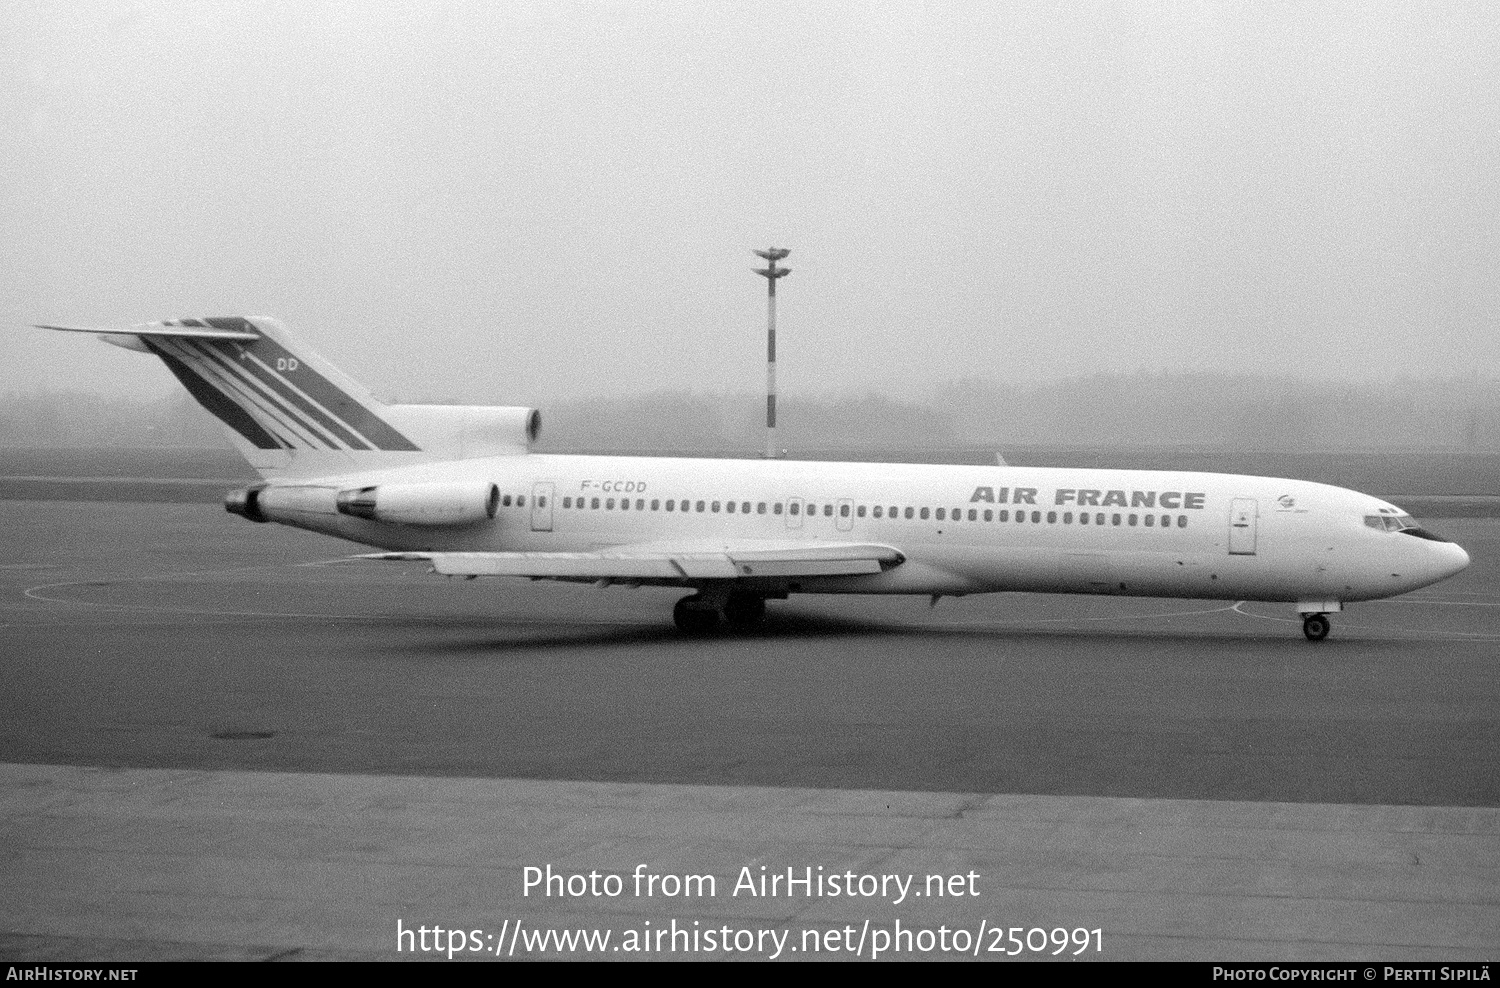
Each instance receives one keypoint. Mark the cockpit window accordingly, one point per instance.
(1405, 524)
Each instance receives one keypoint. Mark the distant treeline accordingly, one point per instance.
(1212, 410)
(68, 419)
(1105, 410)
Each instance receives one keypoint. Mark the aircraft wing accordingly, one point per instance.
(663, 562)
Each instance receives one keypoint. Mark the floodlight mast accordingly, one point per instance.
(771, 272)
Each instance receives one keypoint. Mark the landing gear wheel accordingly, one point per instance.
(695, 617)
(744, 610)
(1316, 627)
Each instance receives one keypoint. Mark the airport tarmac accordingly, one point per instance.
(1193, 775)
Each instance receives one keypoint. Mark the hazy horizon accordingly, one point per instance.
(1112, 409)
(547, 202)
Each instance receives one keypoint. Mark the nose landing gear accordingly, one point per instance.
(1316, 627)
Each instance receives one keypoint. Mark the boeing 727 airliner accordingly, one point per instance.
(457, 487)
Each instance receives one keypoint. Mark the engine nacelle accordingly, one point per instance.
(456, 503)
(468, 431)
(246, 503)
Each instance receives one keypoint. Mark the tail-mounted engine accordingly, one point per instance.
(457, 503)
(246, 503)
(463, 432)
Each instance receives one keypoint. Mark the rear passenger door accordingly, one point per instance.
(1242, 527)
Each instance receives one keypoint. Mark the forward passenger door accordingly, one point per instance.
(1242, 527)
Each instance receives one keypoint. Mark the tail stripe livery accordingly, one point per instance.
(259, 403)
(268, 352)
(257, 378)
(222, 407)
(294, 415)
(262, 381)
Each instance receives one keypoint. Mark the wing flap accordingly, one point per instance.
(802, 561)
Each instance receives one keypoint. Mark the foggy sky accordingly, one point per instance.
(529, 202)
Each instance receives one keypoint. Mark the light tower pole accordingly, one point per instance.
(771, 272)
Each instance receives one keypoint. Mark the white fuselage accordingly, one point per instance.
(1147, 533)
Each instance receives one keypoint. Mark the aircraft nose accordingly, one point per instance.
(1451, 558)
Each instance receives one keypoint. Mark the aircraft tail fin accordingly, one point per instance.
(293, 414)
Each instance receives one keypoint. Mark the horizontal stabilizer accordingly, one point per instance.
(661, 563)
(157, 329)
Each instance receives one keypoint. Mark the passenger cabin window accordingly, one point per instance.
(700, 507)
(924, 514)
(940, 513)
(776, 508)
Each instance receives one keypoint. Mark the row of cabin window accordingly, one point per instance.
(878, 511)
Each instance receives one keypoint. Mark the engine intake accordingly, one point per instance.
(463, 503)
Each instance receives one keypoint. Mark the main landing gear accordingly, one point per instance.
(699, 614)
(1316, 627)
